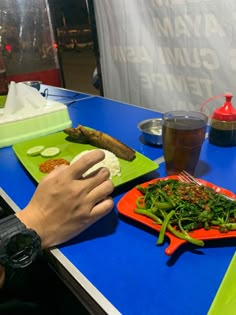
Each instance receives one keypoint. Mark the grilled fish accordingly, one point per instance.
(101, 140)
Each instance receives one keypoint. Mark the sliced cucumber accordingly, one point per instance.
(34, 151)
(50, 151)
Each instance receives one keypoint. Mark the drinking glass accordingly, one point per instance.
(183, 133)
(3, 82)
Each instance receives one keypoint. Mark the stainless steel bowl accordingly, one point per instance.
(34, 84)
(151, 130)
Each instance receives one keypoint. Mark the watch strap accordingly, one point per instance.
(10, 224)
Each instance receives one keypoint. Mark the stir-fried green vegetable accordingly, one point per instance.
(182, 207)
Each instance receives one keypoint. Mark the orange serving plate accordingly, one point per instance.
(127, 204)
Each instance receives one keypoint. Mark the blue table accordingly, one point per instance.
(115, 267)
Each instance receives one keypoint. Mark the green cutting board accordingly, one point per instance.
(225, 300)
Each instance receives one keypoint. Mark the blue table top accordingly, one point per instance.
(118, 256)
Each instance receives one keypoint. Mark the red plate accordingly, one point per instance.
(127, 204)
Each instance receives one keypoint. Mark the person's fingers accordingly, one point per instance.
(102, 208)
(101, 191)
(77, 169)
(105, 172)
(59, 169)
(87, 185)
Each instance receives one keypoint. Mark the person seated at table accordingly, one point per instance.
(63, 205)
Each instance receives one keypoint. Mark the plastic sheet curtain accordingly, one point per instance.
(167, 54)
(27, 41)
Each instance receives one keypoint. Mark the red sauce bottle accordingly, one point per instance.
(222, 130)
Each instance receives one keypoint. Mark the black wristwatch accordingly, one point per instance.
(19, 246)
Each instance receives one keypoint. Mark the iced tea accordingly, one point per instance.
(3, 83)
(183, 135)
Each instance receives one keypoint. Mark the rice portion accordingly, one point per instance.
(110, 161)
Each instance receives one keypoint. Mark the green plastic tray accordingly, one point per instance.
(141, 165)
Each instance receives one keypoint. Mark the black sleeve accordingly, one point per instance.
(23, 291)
(37, 290)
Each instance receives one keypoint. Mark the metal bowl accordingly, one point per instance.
(151, 130)
(34, 84)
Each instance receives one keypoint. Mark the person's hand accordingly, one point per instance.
(64, 203)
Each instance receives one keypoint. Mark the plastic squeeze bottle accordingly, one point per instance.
(222, 130)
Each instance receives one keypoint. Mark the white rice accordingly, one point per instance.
(110, 161)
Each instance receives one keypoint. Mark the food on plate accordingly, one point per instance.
(110, 161)
(101, 140)
(44, 152)
(49, 165)
(50, 152)
(34, 151)
(180, 208)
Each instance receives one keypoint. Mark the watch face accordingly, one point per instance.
(21, 249)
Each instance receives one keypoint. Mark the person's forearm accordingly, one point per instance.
(2, 276)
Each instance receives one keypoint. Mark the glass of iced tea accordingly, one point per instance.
(3, 82)
(183, 133)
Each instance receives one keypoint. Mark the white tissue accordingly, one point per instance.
(23, 99)
(26, 102)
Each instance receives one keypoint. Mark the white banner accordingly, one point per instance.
(167, 54)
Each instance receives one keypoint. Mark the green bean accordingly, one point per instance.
(164, 227)
(163, 205)
(166, 197)
(148, 214)
(229, 226)
(188, 227)
(185, 236)
(138, 202)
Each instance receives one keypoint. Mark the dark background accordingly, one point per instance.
(69, 13)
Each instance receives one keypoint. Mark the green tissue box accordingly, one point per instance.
(2, 100)
(34, 124)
